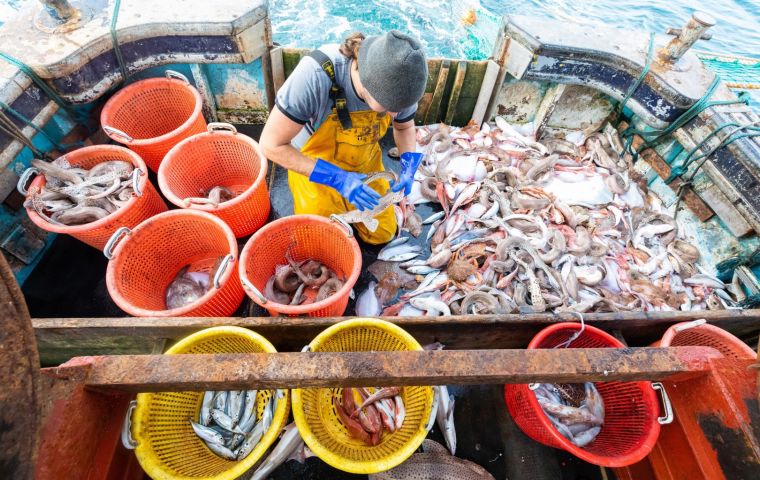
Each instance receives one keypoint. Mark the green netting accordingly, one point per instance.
(733, 69)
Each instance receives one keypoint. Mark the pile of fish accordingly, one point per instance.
(214, 196)
(434, 462)
(526, 226)
(576, 410)
(301, 283)
(75, 196)
(188, 286)
(380, 410)
(227, 422)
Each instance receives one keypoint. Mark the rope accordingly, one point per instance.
(9, 128)
(730, 138)
(638, 81)
(115, 41)
(42, 85)
(28, 122)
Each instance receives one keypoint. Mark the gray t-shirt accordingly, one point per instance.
(305, 95)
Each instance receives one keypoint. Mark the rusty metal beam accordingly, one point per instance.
(156, 373)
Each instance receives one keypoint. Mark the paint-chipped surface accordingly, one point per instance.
(518, 101)
(238, 86)
(580, 107)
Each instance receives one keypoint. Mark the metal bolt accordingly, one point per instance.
(60, 10)
(695, 28)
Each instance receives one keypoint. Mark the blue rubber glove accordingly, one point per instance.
(409, 163)
(348, 184)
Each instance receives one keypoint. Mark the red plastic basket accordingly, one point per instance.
(307, 237)
(145, 203)
(630, 427)
(153, 115)
(219, 157)
(145, 261)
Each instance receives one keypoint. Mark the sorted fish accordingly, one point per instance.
(290, 441)
(218, 424)
(301, 282)
(76, 196)
(368, 305)
(576, 410)
(381, 409)
(214, 196)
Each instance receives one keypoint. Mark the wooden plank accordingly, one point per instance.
(433, 112)
(456, 90)
(163, 373)
(278, 68)
(546, 108)
(663, 170)
(485, 93)
(468, 97)
(456, 332)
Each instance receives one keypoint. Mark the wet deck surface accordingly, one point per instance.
(70, 282)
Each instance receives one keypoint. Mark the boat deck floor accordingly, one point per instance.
(70, 282)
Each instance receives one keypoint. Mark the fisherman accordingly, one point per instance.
(330, 115)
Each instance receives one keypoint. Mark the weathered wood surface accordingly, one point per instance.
(138, 335)
(156, 373)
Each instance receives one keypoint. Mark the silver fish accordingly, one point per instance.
(397, 241)
(204, 416)
(207, 434)
(224, 421)
(289, 442)
(249, 408)
(251, 440)
(222, 451)
(432, 218)
(399, 251)
(233, 405)
(434, 306)
(445, 418)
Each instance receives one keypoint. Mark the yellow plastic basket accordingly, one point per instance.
(167, 448)
(318, 422)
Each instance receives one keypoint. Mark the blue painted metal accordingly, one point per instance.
(226, 79)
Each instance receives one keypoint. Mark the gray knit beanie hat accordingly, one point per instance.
(393, 69)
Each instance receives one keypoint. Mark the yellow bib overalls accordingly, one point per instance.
(355, 149)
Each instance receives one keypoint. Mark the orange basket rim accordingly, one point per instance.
(163, 183)
(117, 98)
(673, 330)
(311, 307)
(609, 461)
(137, 161)
(119, 299)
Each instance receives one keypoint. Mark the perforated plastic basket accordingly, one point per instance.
(219, 157)
(698, 333)
(319, 425)
(151, 116)
(307, 237)
(167, 448)
(630, 427)
(146, 260)
(145, 202)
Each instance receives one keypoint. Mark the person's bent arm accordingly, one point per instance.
(405, 136)
(275, 142)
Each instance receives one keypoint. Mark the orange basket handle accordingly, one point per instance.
(177, 76)
(344, 224)
(251, 288)
(668, 418)
(126, 428)
(115, 132)
(221, 126)
(24, 180)
(220, 271)
(111, 243)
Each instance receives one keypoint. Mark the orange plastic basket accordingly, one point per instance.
(307, 237)
(153, 115)
(145, 202)
(630, 427)
(144, 261)
(219, 157)
(699, 333)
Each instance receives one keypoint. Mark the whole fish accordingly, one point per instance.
(399, 253)
(204, 417)
(289, 442)
(368, 305)
(367, 217)
(434, 463)
(183, 290)
(224, 421)
(445, 418)
(207, 434)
